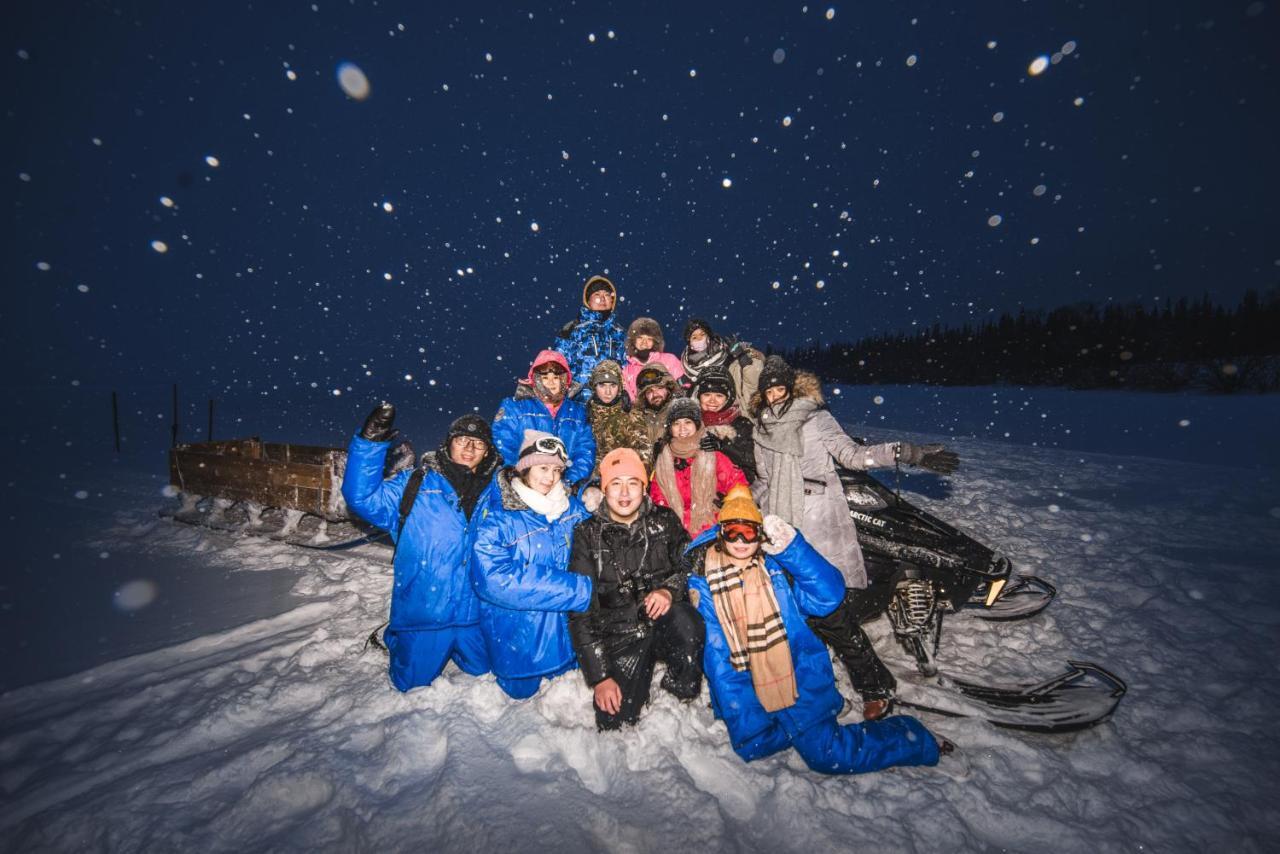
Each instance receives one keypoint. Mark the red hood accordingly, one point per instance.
(543, 358)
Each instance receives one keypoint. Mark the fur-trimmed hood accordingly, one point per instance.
(723, 431)
(645, 326)
(510, 498)
(524, 391)
(807, 387)
(668, 382)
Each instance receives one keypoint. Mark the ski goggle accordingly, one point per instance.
(547, 445)
(547, 370)
(740, 532)
(644, 379)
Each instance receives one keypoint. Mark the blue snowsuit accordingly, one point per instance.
(595, 336)
(435, 615)
(524, 411)
(810, 724)
(526, 590)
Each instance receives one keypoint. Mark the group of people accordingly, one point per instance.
(628, 506)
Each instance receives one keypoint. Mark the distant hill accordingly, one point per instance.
(1181, 345)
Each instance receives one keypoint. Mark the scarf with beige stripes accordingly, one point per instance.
(747, 609)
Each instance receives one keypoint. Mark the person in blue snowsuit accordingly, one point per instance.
(435, 615)
(521, 569)
(596, 335)
(544, 401)
(770, 677)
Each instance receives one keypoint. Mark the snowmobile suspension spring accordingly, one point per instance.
(917, 602)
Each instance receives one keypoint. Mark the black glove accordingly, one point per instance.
(377, 427)
(713, 443)
(567, 329)
(933, 457)
(741, 353)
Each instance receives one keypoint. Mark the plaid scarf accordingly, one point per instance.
(747, 609)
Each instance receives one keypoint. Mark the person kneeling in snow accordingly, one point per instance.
(770, 677)
(633, 552)
(430, 514)
(519, 572)
(543, 401)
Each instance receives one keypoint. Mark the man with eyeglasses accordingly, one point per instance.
(632, 550)
(430, 514)
(543, 401)
(754, 579)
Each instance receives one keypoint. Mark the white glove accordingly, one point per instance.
(780, 534)
(591, 497)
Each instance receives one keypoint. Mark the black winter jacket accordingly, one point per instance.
(740, 445)
(625, 563)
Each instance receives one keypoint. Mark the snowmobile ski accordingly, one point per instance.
(1023, 596)
(1083, 695)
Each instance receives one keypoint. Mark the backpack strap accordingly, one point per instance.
(407, 498)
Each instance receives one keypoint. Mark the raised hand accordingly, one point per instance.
(377, 427)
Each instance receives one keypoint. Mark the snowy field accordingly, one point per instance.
(252, 718)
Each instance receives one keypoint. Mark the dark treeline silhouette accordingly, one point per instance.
(1184, 344)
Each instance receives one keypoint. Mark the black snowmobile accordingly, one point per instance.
(919, 569)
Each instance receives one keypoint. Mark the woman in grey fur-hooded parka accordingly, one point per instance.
(797, 446)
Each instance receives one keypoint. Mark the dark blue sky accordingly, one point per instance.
(487, 118)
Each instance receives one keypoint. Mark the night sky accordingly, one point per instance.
(797, 172)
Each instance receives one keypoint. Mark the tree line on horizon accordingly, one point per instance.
(1183, 344)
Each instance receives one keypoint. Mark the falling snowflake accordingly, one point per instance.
(353, 81)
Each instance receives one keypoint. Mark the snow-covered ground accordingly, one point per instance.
(269, 725)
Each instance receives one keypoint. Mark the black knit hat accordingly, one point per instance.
(777, 372)
(715, 379)
(599, 283)
(683, 407)
(472, 426)
(693, 324)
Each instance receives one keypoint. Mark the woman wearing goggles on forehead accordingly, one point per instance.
(521, 568)
(754, 580)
